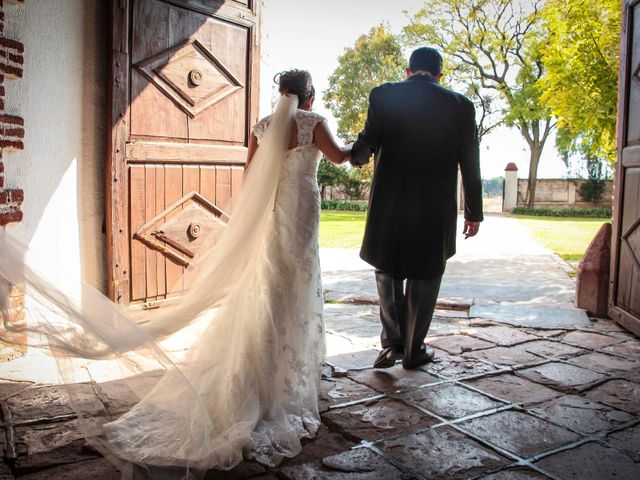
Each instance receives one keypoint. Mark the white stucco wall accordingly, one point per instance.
(62, 100)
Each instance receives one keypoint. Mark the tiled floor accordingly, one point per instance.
(499, 402)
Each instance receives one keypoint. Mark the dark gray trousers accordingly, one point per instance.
(406, 312)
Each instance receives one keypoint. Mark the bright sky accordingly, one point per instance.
(311, 34)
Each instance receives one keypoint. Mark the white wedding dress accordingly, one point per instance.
(248, 387)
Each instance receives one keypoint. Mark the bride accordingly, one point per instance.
(247, 388)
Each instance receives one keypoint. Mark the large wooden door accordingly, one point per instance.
(624, 298)
(183, 95)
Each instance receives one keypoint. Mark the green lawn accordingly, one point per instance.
(569, 237)
(341, 229)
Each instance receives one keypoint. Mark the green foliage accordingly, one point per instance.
(350, 181)
(570, 212)
(343, 205)
(492, 187)
(491, 50)
(329, 174)
(593, 189)
(375, 58)
(580, 53)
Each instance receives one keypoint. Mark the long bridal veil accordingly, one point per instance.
(90, 326)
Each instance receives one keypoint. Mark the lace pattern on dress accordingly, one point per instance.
(306, 122)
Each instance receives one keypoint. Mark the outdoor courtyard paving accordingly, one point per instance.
(524, 386)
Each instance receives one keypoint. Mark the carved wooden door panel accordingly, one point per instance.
(183, 96)
(624, 298)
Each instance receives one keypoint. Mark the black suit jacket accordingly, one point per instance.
(420, 132)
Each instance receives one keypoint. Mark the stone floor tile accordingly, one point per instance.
(52, 401)
(9, 388)
(562, 376)
(629, 350)
(519, 433)
(451, 366)
(456, 344)
(509, 356)
(335, 391)
(581, 414)
(441, 327)
(47, 445)
(338, 323)
(627, 439)
(392, 379)
(619, 394)
(376, 419)
(443, 453)
(591, 461)
(368, 334)
(544, 333)
(3, 443)
(444, 313)
(514, 389)
(243, 471)
(360, 358)
(502, 336)
(449, 400)
(100, 469)
(356, 464)
(601, 362)
(589, 339)
(341, 309)
(515, 474)
(324, 444)
(117, 396)
(5, 472)
(552, 349)
(120, 395)
(605, 325)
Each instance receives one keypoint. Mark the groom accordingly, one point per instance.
(420, 133)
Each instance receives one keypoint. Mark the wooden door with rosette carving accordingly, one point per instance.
(184, 79)
(624, 295)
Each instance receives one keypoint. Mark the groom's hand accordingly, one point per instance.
(470, 229)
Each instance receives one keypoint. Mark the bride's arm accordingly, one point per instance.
(324, 140)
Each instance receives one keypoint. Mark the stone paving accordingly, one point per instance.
(532, 400)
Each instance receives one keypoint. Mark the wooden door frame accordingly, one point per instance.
(119, 121)
(615, 312)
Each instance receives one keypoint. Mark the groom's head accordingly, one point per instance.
(425, 60)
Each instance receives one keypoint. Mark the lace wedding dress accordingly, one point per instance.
(248, 386)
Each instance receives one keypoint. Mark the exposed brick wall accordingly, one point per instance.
(11, 127)
(11, 138)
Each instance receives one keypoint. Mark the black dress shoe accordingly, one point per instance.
(426, 355)
(388, 356)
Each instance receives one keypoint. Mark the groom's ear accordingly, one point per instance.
(408, 72)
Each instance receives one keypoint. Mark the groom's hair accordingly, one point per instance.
(427, 59)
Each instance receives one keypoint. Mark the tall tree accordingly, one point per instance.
(580, 52)
(375, 58)
(491, 46)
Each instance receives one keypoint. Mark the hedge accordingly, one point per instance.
(343, 205)
(571, 212)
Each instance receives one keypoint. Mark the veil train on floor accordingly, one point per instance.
(90, 326)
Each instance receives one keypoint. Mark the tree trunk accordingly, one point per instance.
(534, 159)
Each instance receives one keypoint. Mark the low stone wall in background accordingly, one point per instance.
(561, 194)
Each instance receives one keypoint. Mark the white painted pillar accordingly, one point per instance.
(510, 194)
(572, 193)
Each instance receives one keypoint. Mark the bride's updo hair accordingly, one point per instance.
(296, 81)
